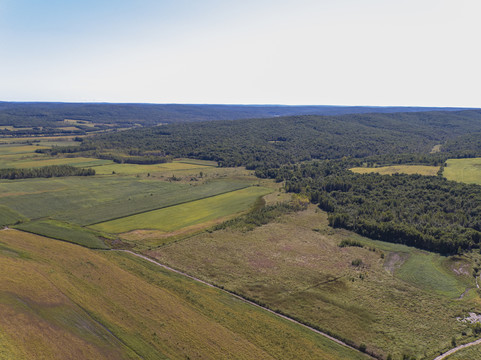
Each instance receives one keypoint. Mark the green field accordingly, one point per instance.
(87, 200)
(62, 301)
(129, 169)
(463, 170)
(42, 160)
(399, 169)
(195, 212)
(8, 216)
(400, 307)
(425, 270)
(39, 139)
(64, 231)
(19, 149)
(24, 156)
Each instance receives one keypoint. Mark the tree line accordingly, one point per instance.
(45, 172)
(428, 212)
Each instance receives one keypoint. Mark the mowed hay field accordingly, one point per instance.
(399, 169)
(398, 301)
(64, 231)
(191, 213)
(86, 200)
(463, 170)
(62, 301)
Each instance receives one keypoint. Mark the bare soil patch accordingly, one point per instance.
(394, 261)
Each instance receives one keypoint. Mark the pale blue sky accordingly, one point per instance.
(338, 52)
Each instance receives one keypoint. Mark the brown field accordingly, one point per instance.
(62, 301)
(296, 266)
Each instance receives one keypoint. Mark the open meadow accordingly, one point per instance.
(62, 301)
(398, 169)
(463, 170)
(396, 299)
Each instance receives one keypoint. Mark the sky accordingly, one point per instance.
(302, 52)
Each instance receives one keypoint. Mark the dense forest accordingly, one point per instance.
(276, 141)
(45, 172)
(428, 212)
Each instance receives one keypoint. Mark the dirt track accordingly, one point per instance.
(452, 351)
(241, 298)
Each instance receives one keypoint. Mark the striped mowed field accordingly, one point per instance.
(187, 214)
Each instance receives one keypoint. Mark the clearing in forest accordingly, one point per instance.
(463, 170)
(399, 169)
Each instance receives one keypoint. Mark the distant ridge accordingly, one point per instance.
(153, 114)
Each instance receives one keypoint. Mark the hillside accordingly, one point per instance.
(42, 113)
(276, 141)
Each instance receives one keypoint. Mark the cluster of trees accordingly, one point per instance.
(262, 215)
(428, 212)
(273, 142)
(45, 172)
(134, 159)
(129, 157)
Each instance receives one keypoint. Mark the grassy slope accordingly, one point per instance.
(304, 273)
(8, 216)
(463, 170)
(401, 169)
(61, 301)
(425, 270)
(188, 214)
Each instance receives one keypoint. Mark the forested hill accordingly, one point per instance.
(276, 141)
(50, 114)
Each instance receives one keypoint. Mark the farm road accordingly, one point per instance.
(452, 351)
(240, 298)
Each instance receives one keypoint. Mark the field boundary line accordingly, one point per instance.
(457, 348)
(247, 301)
(194, 163)
(168, 206)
